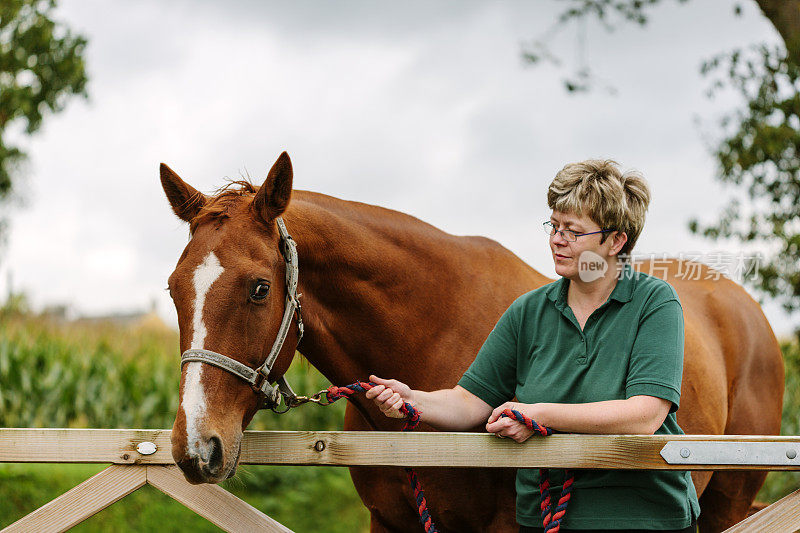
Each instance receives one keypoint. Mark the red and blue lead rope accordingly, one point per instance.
(412, 421)
(551, 519)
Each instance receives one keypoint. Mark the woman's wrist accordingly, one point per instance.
(540, 413)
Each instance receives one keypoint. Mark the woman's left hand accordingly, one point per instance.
(503, 426)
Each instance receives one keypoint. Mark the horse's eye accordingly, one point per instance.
(259, 291)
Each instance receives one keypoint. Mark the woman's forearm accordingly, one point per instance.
(636, 415)
(453, 409)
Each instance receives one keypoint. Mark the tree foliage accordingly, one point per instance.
(760, 153)
(41, 66)
(758, 150)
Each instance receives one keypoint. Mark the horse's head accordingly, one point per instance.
(229, 289)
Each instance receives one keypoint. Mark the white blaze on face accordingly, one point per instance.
(194, 400)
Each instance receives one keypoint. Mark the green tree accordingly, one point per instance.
(41, 67)
(758, 150)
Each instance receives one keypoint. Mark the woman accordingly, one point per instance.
(598, 351)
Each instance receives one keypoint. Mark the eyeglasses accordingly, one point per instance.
(569, 235)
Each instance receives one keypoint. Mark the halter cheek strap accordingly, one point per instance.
(259, 378)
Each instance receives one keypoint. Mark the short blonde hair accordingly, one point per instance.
(612, 199)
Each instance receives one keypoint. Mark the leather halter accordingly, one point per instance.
(259, 378)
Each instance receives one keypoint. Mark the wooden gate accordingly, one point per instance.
(140, 456)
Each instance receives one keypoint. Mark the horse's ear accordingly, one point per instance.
(185, 200)
(273, 197)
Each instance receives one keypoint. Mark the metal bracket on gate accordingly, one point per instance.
(698, 452)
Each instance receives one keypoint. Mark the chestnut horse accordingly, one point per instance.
(385, 293)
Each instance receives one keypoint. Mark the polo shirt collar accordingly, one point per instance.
(557, 292)
(623, 291)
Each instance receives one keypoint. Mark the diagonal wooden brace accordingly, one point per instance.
(783, 515)
(82, 501)
(212, 502)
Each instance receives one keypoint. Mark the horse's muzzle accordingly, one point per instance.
(205, 463)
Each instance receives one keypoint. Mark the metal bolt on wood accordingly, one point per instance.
(146, 448)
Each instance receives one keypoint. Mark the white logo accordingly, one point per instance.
(591, 266)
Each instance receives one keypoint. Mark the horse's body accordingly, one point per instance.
(387, 294)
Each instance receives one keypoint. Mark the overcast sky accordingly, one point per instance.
(425, 107)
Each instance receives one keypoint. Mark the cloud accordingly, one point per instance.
(417, 106)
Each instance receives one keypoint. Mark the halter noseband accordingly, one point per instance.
(259, 378)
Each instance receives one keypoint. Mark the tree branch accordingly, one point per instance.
(785, 17)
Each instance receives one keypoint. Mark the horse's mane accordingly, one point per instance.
(218, 205)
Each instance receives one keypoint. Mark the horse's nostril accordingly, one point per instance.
(190, 469)
(214, 454)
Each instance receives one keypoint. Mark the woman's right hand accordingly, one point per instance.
(389, 395)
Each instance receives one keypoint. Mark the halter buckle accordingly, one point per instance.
(258, 382)
(270, 396)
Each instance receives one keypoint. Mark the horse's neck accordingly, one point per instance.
(386, 294)
(357, 286)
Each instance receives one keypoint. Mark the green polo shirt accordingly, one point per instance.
(631, 345)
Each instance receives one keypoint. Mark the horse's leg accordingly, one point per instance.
(375, 526)
(381, 489)
(729, 495)
(704, 394)
(700, 478)
(756, 397)
(461, 500)
(727, 499)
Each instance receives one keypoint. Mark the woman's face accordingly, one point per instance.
(566, 254)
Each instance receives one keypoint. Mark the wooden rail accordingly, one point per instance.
(130, 469)
(376, 448)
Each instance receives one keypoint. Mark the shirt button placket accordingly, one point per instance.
(584, 350)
